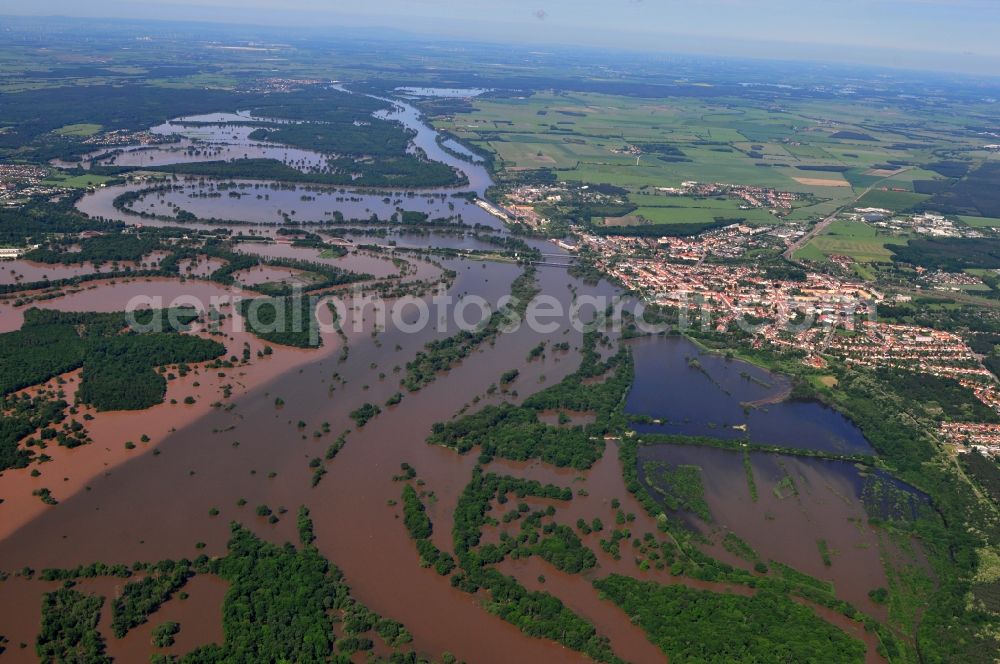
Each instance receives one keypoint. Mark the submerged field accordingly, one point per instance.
(372, 487)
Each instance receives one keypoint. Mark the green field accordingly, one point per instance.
(849, 238)
(59, 179)
(593, 138)
(897, 201)
(684, 214)
(82, 130)
(980, 222)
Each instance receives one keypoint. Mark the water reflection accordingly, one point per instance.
(694, 393)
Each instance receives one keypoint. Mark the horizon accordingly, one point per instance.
(772, 30)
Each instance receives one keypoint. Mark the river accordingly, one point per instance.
(154, 503)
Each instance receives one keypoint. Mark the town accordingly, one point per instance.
(814, 314)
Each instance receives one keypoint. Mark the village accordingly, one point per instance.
(18, 182)
(752, 196)
(921, 223)
(123, 137)
(817, 315)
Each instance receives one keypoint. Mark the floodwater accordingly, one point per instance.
(198, 615)
(455, 146)
(215, 137)
(208, 137)
(355, 261)
(270, 274)
(25, 272)
(152, 502)
(426, 139)
(823, 500)
(696, 393)
(444, 93)
(256, 201)
(199, 468)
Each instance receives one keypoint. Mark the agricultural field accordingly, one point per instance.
(695, 211)
(897, 201)
(980, 222)
(82, 130)
(60, 179)
(837, 153)
(849, 238)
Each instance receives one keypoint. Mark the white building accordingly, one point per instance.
(11, 253)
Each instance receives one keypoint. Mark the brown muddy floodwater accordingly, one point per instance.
(153, 502)
(120, 506)
(198, 616)
(822, 501)
(354, 261)
(27, 272)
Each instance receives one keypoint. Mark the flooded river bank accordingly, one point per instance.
(208, 465)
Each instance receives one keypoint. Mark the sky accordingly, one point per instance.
(957, 35)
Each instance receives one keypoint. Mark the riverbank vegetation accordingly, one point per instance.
(69, 628)
(282, 604)
(517, 433)
(441, 355)
(20, 416)
(691, 625)
(418, 524)
(117, 362)
(288, 320)
(679, 487)
(398, 171)
(140, 599)
(535, 613)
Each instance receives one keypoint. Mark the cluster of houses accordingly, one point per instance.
(19, 181)
(674, 272)
(752, 196)
(123, 137)
(923, 223)
(821, 316)
(969, 435)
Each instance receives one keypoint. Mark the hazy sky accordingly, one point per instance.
(946, 34)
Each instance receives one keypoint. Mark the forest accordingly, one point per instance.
(20, 416)
(535, 613)
(288, 320)
(98, 250)
(949, 254)
(515, 433)
(975, 194)
(117, 368)
(140, 599)
(281, 606)
(32, 114)
(33, 222)
(691, 625)
(69, 628)
(118, 372)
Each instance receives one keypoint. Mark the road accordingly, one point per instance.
(813, 232)
(819, 228)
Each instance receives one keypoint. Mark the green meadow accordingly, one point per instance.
(849, 238)
(60, 179)
(835, 151)
(82, 130)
